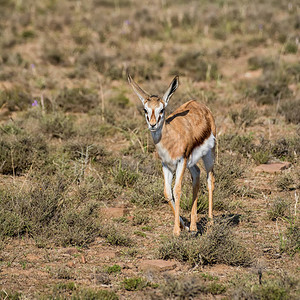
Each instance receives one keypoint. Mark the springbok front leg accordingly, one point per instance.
(168, 177)
(195, 172)
(181, 165)
(209, 160)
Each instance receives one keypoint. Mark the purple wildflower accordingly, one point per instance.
(34, 103)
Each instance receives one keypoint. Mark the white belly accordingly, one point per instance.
(201, 151)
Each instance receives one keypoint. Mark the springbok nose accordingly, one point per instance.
(152, 125)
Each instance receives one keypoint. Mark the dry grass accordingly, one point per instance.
(73, 140)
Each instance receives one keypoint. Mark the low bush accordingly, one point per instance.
(77, 100)
(195, 65)
(134, 283)
(218, 245)
(19, 150)
(114, 237)
(279, 208)
(45, 212)
(290, 240)
(282, 288)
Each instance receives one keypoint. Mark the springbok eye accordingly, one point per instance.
(162, 111)
(145, 111)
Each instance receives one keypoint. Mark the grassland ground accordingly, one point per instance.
(82, 211)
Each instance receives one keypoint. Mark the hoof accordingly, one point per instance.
(194, 233)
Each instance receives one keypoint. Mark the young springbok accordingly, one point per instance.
(181, 139)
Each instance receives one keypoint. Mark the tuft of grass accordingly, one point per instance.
(20, 150)
(189, 287)
(279, 209)
(114, 237)
(286, 148)
(134, 283)
(15, 99)
(8, 295)
(124, 176)
(291, 111)
(226, 175)
(286, 182)
(148, 191)
(120, 100)
(73, 291)
(290, 240)
(194, 64)
(113, 269)
(65, 273)
(57, 125)
(140, 218)
(282, 288)
(45, 212)
(80, 100)
(64, 286)
(218, 245)
(237, 143)
(290, 47)
(244, 118)
(257, 62)
(262, 153)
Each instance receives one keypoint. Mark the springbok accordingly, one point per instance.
(181, 139)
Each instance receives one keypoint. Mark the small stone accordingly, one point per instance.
(71, 264)
(101, 278)
(114, 212)
(71, 251)
(107, 254)
(83, 260)
(157, 265)
(253, 74)
(273, 167)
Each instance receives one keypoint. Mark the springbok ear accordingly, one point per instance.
(138, 90)
(172, 88)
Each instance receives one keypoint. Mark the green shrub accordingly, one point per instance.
(57, 125)
(286, 182)
(19, 150)
(291, 111)
(134, 283)
(194, 64)
(124, 176)
(291, 47)
(140, 218)
(218, 245)
(114, 237)
(77, 100)
(46, 213)
(279, 209)
(257, 62)
(290, 240)
(15, 99)
(245, 118)
(282, 288)
(189, 287)
(113, 269)
(7, 295)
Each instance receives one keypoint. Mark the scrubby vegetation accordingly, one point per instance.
(81, 188)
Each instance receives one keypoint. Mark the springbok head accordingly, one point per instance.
(154, 106)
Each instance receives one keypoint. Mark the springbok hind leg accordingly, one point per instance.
(209, 160)
(195, 172)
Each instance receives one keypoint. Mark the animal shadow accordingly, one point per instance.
(228, 219)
